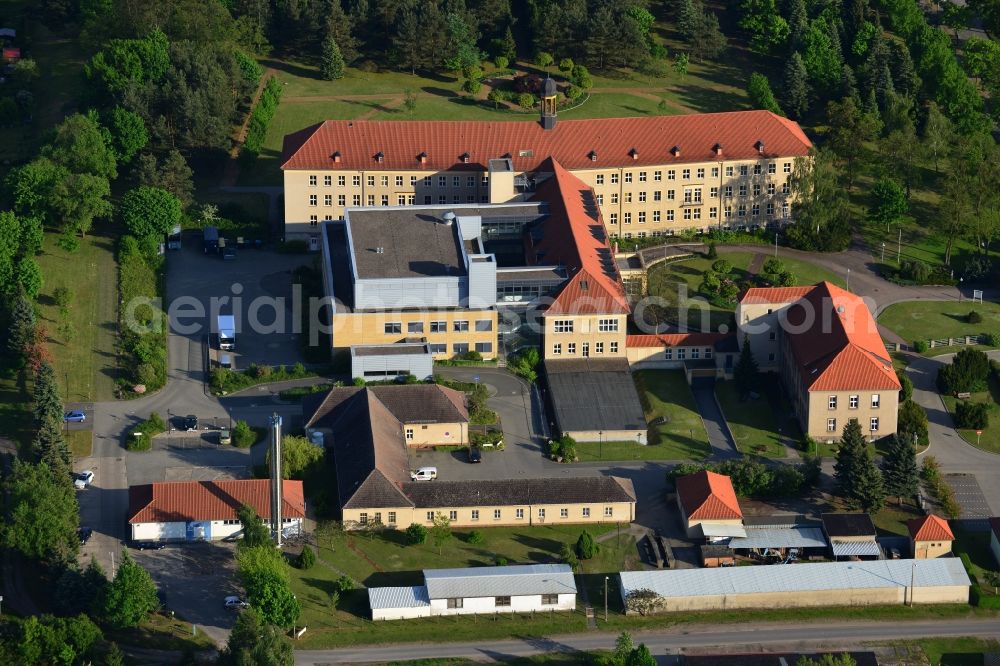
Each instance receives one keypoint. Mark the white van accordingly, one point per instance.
(425, 474)
(226, 361)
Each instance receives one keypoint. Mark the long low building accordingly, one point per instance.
(207, 510)
(879, 582)
(481, 590)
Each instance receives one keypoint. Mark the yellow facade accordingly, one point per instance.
(585, 336)
(925, 550)
(495, 516)
(436, 434)
(829, 411)
(635, 202)
(761, 324)
(449, 332)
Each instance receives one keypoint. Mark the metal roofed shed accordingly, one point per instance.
(792, 537)
(515, 580)
(856, 549)
(398, 603)
(392, 361)
(716, 531)
(880, 582)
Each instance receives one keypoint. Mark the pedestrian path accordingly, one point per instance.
(719, 436)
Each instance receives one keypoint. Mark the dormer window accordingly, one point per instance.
(422, 157)
(592, 155)
(717, 149)
(379, 156)
(336, 156)
(676, 151)
(634, 154)
(465, 157)
(759, 146)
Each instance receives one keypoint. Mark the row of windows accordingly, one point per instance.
(376, 517)
(693, 194)
(585, 348)
(699, 230)
(728, 213)
(831, 424)
(682, 353)
(852, 401)
(603, 325)
(744, 170)
(428, 181)
(458, 326)
(504, 602)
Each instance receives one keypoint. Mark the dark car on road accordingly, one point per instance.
(84, 533)
(148, 545)
(190, 422)
(475, 454)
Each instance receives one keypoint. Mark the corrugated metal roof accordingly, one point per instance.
(793, 537)
(717, 530)
(398, 597)
(797, 577)
(856, 549)
(517, 580)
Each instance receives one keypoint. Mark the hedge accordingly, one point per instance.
(261, 117)
(142, 328)
(140, 436)
(224, 380)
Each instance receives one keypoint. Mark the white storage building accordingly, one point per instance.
(482, 590)
(866, 583)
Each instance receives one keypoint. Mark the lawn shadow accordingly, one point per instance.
(551, 546)
(292, 69)
(440, 92)
(636, 110)
(395, 537)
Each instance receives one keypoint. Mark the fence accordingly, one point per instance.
(941, 342)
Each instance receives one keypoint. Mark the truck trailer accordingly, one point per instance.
(211, 240)
(227, 332)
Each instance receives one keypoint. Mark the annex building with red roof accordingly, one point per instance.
(930, 536)
(207, 510)
(708, 505)
(824, 343)
(651, 176)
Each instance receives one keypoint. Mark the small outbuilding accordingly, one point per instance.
(852, 536)
(708, 505)
(715, 555)
(477, 591)
(930, 536)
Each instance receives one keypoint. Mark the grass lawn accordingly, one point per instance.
(751, 421)
(81, 442)
(806, 273)
(923, 320)
(386, 559)
(891, 520)
(580, 658)
(957, 651)
(666, 394)
(160, 632)
(990, 439)
(83, 342)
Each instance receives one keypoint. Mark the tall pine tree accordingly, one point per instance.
(745, 372)
(850, 458)
(21, 333)
(48, 406)
(869, 489)
(795, 98)
(332, 62)
(899, 469)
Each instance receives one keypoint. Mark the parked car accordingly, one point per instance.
(425, 474)
(74, 416)
(83, 479)
(475, 454)
(225, 437)
(228, 253)
(148, 545)
(190, 422)
(84, 533)
(235, 602)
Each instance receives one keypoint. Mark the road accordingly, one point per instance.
(771, 635)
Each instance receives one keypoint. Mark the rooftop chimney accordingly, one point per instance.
(465, 157)
(634, 154)
(422, 157)
(717, 148)
(676, 151)
(592, 155)
(336, 156)
(759, 146)
(379, 156)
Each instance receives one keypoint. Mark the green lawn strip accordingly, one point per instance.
(977, 546)
(751, 422)
(891, 520)
(303, 80)
(580, 658)
(990, 439)
(618, 105)
(667, 279)
(385, 559)
(81, 442)
(160, 632)
(956, 651)
(666, 394)
(924, 320)
(806, 273)
(83, 342)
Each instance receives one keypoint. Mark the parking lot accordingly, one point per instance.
(257, 285)
(968, 494)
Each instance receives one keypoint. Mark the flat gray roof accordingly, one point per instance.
(823, 576)
(397, 349)
(397, 242)
(792, 537)
(594, 394)
(514, 581)
(398, 597)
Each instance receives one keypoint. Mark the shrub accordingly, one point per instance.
(916, 271)
(472, 356)
(476, 537)
(472, 86)
(972, 415)
(906, 392)
(968, 371)
(243, 435)
(501, 61)
(543, 59)
(722, 267)
(416, 534)
(566, 65)
(921, 346)
(974, 317)
(262, 115)
(567, 555)
(526, 100)
(574, 92)
(344, 584)
(500, 560)
(712, 251)
(586, 547)
(993, 339)
(306, 559)
(140, 436)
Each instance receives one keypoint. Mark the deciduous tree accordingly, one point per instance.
(888, 202)
(42, 514)
(761, 97)
(255, 532)
(253, 642)
(441, 531)
(130, 598)
(150, 213)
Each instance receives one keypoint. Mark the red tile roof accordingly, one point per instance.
(176, 501)
(836, 344)
(574, 236)
(708, 496)
(765, 295)
(528, 145)
(675, 339)
(930, 528)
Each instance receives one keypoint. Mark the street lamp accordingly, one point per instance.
(600, 434)
(883, 252)
(848, 279)
(605, 598)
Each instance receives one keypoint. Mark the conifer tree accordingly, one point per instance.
(745, 372)
(899, 469)
(332, 62)
(795, 97)
(849, 457)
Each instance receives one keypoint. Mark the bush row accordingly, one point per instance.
(261, 117)
(142, 327)
(930, 472)
(140, 436)
(752, 478)
(224, 380)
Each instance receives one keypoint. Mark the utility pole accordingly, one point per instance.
(899, 246)
(276, 494)
(775, 244)
(913, 574)
(848, 279)
(883, 252)
(605, 598)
